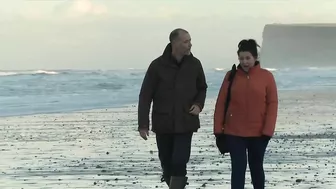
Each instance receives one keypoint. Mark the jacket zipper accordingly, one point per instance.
(247, 96)
(174, 96)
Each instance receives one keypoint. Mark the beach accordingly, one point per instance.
(102, 149)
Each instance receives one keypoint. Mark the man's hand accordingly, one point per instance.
(144, 133)
(195, 109)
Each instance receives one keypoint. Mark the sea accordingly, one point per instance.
(28, 92)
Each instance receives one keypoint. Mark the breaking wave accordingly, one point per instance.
(35, 72)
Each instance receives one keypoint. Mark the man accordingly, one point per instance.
(176, 84)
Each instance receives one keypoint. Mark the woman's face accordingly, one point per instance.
(246, 60)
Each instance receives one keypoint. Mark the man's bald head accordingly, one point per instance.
(180, 41)
(174, 35)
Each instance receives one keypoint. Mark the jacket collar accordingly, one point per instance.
(167, 53)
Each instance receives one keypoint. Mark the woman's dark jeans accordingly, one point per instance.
(255, 147)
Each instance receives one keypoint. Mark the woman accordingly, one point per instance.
(250, 117)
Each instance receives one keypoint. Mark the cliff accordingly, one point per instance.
(298, 45)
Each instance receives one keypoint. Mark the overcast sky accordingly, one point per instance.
(114, 34)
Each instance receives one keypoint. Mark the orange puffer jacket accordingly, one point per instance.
(253, 107)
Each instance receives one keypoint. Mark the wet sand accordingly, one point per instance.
(102, 149)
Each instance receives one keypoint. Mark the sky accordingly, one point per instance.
(121, 34)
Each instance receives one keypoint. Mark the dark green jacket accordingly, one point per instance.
(173, 88)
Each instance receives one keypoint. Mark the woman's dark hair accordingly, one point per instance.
(249, 45)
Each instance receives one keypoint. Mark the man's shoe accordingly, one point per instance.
(165, 179)
(178, 182)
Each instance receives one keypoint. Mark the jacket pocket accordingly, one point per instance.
(235, 120)
(161, 120)
(191, 121)
(256, 117)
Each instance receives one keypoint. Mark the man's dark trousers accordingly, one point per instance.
(174, 154)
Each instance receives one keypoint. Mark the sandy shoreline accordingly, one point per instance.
(101, 149)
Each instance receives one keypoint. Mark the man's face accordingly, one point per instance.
(183, 44)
